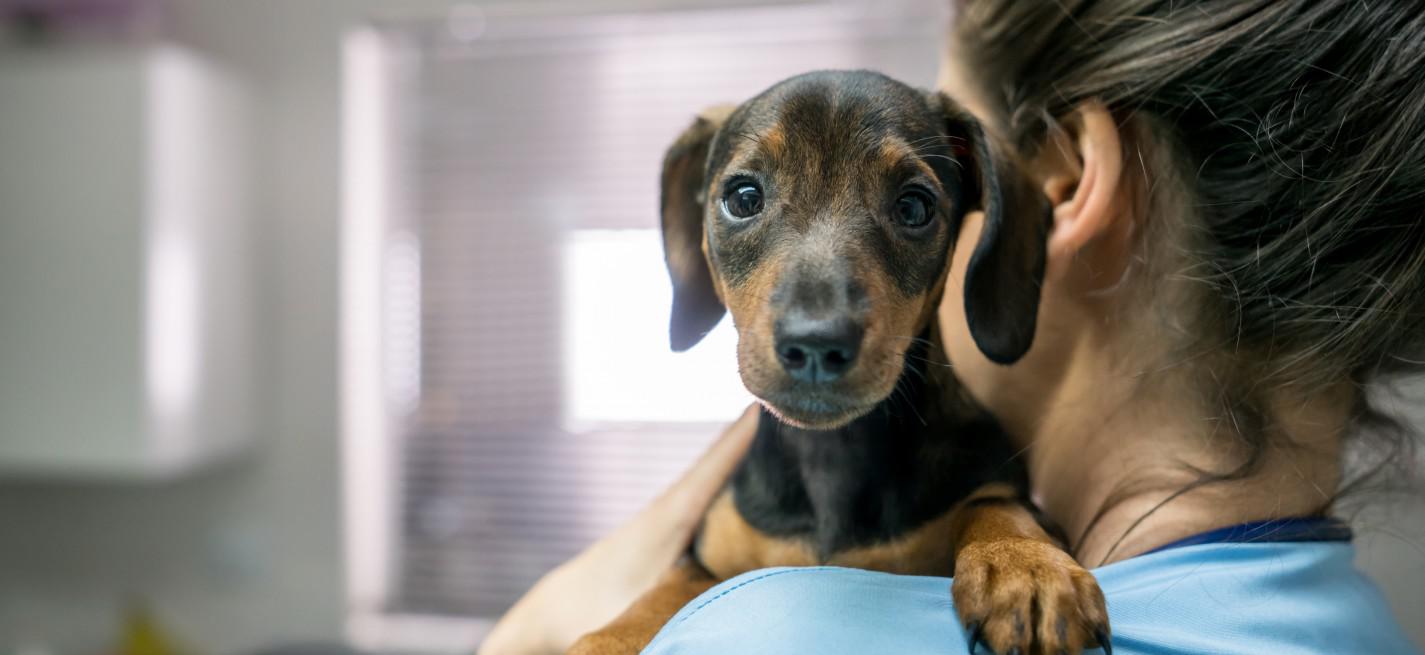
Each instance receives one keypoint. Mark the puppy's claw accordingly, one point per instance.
(1103, 641)
(976, 631)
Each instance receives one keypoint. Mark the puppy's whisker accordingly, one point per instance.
(926, 141)
(930, 362)
(953, 161)
(899, 394)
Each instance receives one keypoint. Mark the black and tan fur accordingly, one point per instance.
(887, 465)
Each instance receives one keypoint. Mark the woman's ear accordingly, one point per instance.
(1083, 180)
(1006, 270)
(696, 306)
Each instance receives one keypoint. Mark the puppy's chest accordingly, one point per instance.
(842, 497)
(882, 501)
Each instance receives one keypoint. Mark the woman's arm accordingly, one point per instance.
(590, 590)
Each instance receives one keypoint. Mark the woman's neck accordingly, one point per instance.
(1123, 474)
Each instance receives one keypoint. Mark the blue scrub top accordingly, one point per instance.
(1273, 588)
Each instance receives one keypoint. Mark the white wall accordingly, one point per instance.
(242, 557)
(252, 555)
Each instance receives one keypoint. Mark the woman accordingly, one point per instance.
(1238, 247)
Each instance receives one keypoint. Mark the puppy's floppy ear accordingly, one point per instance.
(696, 306)
(1006, 271)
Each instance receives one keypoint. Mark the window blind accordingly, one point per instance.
(515, 141)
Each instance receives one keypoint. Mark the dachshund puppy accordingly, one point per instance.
(822, 214)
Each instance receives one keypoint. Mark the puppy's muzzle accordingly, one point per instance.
(817, 350)
(819, 321)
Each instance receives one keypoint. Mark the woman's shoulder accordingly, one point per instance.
(1217, 598)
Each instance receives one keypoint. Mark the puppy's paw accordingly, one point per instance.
(1027, 597)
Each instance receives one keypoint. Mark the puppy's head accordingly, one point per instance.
(822, 214)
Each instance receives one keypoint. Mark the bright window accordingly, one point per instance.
(618, 366)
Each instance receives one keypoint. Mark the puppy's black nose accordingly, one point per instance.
(818, 350)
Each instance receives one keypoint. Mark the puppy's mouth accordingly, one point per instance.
(815, 411)
(814, 407)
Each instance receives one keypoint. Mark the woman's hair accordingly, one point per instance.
(1296, 134)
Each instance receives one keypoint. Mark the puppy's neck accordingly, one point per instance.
(905, 462)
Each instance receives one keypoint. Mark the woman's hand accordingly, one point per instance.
(588, 591)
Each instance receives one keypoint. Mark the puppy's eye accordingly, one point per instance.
(913, 209)
(743, 199)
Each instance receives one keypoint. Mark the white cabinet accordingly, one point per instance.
(124, 276)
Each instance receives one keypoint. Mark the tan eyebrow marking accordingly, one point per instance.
(774, 140)
(895, 152)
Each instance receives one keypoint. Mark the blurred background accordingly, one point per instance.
(332, 325)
